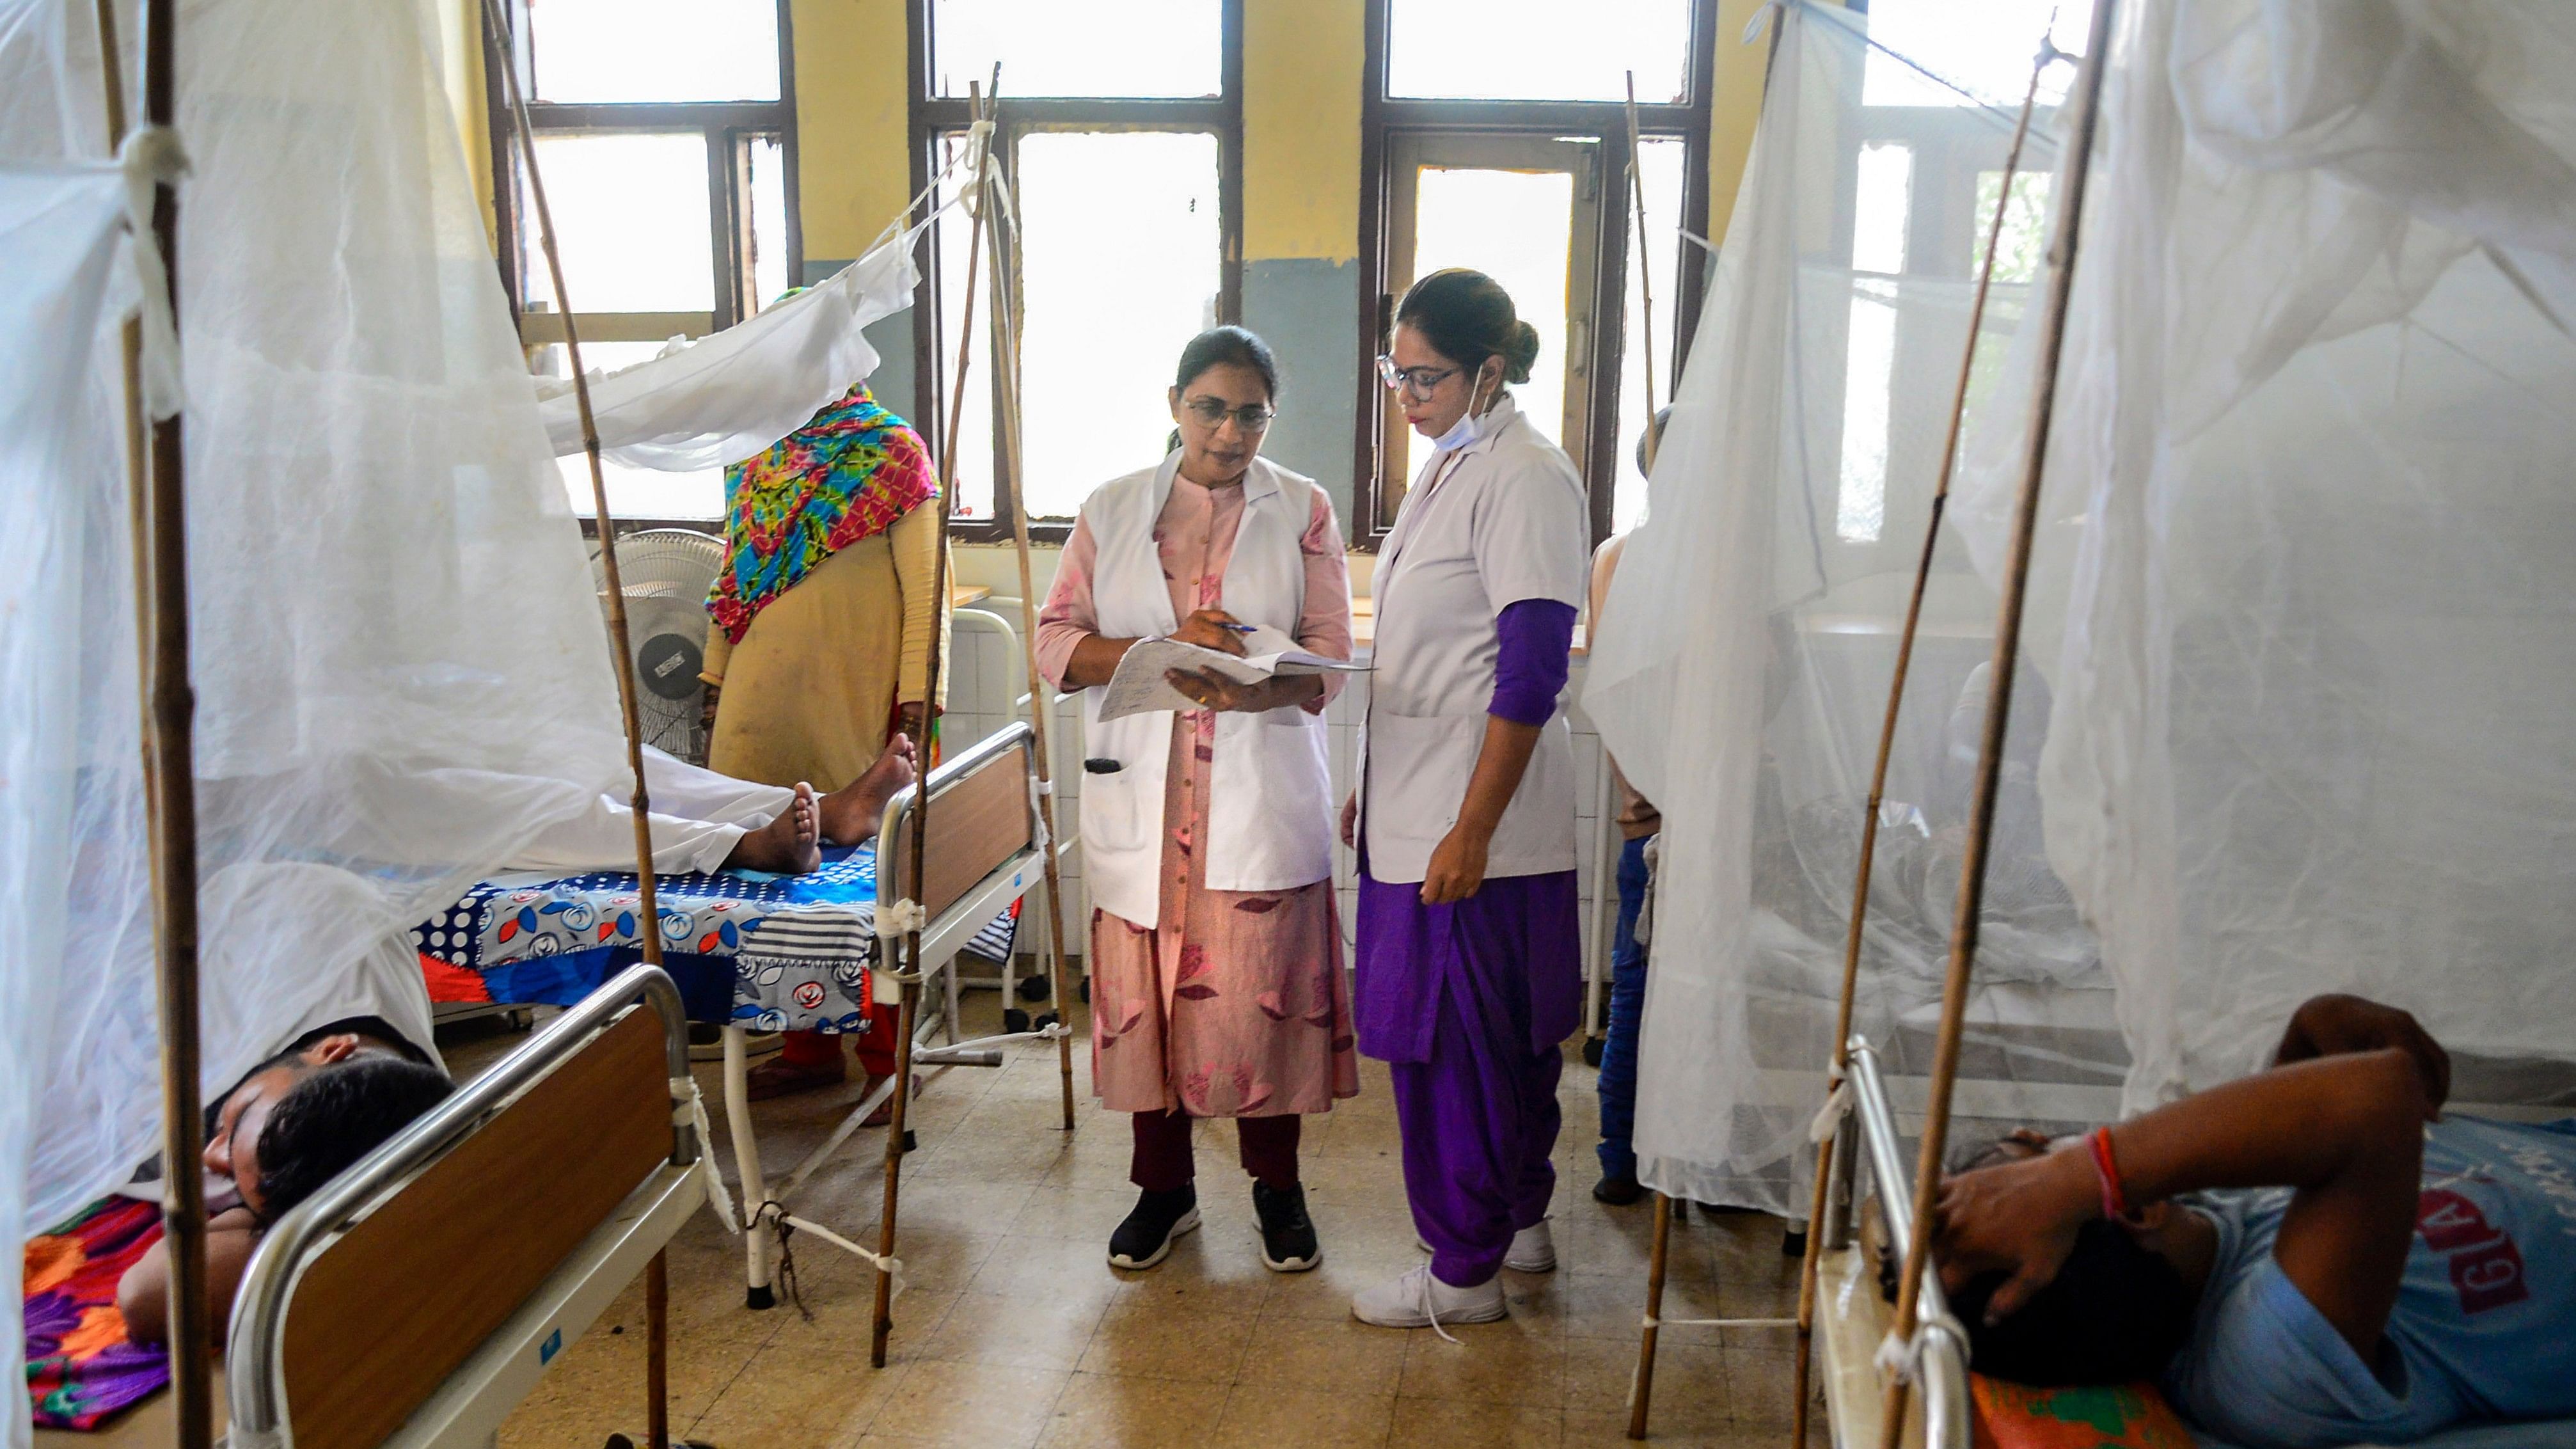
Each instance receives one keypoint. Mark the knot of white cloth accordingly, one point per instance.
(152, 157)
(898, 919)
(1901, 1358)
(1830, 1116)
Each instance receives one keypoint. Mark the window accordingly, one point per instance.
(1539, 50)
(1480, 128)
(1122, 135)
(1924, 179)
(665, 130)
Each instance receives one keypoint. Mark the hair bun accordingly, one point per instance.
(1519, 352)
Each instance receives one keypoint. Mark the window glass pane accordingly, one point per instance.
(632, 492)
(768, 169)
(1879, 217)
(654, 50)
(1980, 52)
(1513, 226)
(1119, 48)
(2024, 240)
(1659, 165)
(1542, 50)
(1118, 272)
(631, 223)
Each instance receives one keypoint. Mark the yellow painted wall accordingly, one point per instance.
(853, 131)
(1301, 128)
(459, 28)
(1737, 109)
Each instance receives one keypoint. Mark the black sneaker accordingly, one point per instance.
(1618, 1191)
(1146, 1237)
(1287, 1235)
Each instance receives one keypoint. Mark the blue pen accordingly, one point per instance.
(1238, 628)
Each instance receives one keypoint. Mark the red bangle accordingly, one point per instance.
(2115, 1203)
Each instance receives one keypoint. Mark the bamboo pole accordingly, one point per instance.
(648, 907)
(1641, 1392)
(904, 994)
(1645, 271)
(1887, 734)
(1006, 363)
(1990, 750)
(657, 1352)
(171, 790)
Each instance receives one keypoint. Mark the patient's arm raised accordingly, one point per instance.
(2344, 1131)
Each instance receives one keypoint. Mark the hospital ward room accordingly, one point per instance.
(1839, 724)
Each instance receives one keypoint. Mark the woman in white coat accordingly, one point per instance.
(1469, 957)
(1216, 951)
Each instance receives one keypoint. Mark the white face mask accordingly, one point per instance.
(1471, 424)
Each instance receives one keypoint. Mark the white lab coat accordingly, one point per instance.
(1271, 795)
(1504, 522)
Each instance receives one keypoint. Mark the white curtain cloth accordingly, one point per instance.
(399, 662)
(2315, 718)
(1743, 683)
(2297, 671)
(730, 395)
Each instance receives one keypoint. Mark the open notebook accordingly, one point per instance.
(1138, 685)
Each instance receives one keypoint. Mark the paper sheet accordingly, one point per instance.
(1138, 685)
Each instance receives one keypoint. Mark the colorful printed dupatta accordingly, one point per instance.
(845, 476)
(81, 1367)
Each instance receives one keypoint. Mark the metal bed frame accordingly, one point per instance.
(765, 1209)
(1852, 1320)
(492, 1368)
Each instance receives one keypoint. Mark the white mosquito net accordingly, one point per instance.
(732, 394)
(398, 659)
(2293, 708)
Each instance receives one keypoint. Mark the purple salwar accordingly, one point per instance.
(1468, 1003)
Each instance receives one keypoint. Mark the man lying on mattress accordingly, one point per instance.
(2350, 1267)
(361, 1066)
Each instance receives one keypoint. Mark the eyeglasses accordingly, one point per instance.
(1251, 417)
(1416, 383)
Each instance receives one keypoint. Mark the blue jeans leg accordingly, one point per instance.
(1627, 1003)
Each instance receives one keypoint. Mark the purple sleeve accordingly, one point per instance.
(1537, 641)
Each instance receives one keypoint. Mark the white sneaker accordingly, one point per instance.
(1533, 1250)
(1415, 1299)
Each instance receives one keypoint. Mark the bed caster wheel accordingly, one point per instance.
(911, 1140)
(1032, 988)
(628, 1441)
(1014, 1020)
(1086, 990)
(1047, 1019)
(759, 1298)
(1592, 1051)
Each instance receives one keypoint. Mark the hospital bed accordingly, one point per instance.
(415, 1300)
(735, 968)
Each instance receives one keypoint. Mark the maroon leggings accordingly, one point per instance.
(1163, 1161)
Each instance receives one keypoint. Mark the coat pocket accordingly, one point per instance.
(1418, 768)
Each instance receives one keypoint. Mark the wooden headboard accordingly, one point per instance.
(980, 817)
(357, 1331)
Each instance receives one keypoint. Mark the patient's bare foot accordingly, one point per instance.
(789, 845)
(851, 813)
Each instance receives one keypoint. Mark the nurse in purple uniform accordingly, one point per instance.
(1469, 964)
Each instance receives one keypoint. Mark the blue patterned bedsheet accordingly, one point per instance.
(777, 953)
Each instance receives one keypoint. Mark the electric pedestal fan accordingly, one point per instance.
(666, 573)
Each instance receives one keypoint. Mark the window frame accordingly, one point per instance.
(729, 128)
(932, 115)
(1384, 116)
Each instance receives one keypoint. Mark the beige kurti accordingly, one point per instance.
(809, 691)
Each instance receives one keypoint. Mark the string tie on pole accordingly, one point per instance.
(152, 157)
(898, 919)
(1901, 1358)
(1830, 1115)
(687, 1099)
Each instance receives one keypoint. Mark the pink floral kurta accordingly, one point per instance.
(1235, 1003)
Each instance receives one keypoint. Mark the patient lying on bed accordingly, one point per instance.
(703, 821)
(295, 1122)
(2353, 1267)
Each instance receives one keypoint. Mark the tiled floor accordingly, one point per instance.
(1016, 1332)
